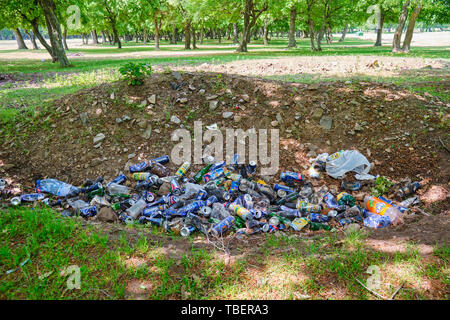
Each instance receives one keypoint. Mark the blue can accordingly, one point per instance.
(90, 211)
(170, 213)
(211, 200)
(318, 217)
(93, 187)
(345, 221)
(234, 187)
(120, 179)
(161, 160)
(201, 195)
(251, 168)
(331, 202)
(288, 190)
(156, 221)
(234, 162)
(291, 176)
(214, 174)
(148, 196)
(32, 197)
(223, 226)
(140, 167)
(217, 165)
(192, 207)
(175, 187)
(148, 212)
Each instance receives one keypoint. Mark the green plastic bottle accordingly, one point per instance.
(319, 226)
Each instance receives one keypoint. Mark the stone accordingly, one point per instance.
(358, 127)
(317, 114)
(246, 97)
(152, 99)
(213, 105)
(99, 138)
(352, 227)
(312, 147)
(326, 122)
(175, 120)
(119, 120)
(176, 75)
(131, 155)
(148, 132)
(279, 118)
(311, 154)
(84, 119)
(237, 118)
(106, 214)
(212, 97)
(227, 114)
(142, 123)
(274, 123)
(183, 100)
(191, 87)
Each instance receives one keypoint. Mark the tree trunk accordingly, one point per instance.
(194, 40)
(66, 47)
(187, 36)
(156, 33)
(33, 39)
(35, 29)
(245, 33)
(219, 35)
(235, 33)
(266, 32)
(410, 29)
(401, 25)
(380, 29)
(202, 34)
(20, 43)
(94, 36)
(228, 34)
(344, 33)
(54, 32)
(292, 42)
(329, 35)
(174, 34)
(116, 36)
(103, 36)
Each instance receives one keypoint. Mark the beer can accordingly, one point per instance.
(205, 211)
(141, 176)
(175, 187)
(186, 231)
(251, 168)
(120, 179)
(291, 176)
(223, 226)
(269, 228)
(148, 196)
(288, 190)
(201, 195)
(139, 167)
(211, 200)
(161, 160)
(88, 211)
(183, 169)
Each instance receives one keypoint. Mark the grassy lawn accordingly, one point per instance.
(283, 267)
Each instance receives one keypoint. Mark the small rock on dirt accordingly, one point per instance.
(227, 114)
(106, 214)
(99, 138)
(326, 122)
(175, 120)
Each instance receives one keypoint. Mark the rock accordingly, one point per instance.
(317, 114)
(183, 100)
(148, 132)
(352, 227)
(126, 118)
(246, 97)
(175, 120)
(142, 123)
(237, 118)
(112, 96)
(227, 114)
(99, 138)
(311, 154)
(191, 87)
(164, 189)
(152, 99)
(279, 118)
(326, 122)
(119, 120)
(213, 105)
(176, 75)
(131, 156)
(274, 123)
(212, 97)
(106, 214)
(358, 127)
(84, 119)
(312, 147)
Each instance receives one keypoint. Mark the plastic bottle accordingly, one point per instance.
(382, 208)
(57, 188)
(135, 210)
(115, 188)
(408, 190)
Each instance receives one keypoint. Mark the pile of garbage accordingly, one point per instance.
(223, 197)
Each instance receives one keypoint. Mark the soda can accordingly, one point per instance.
(120, 179)
(251, 168)
(268, 228)
(89, 211)
(234, 162)
(161, 160)
(240, 211)
(201, 195)
(175, 187)
(223, 226)
(306, 207)
(148, 196)
(186, 231)
(234, 187)
(211, 200)
(234, 176)
(217, 165)
(345, 221)
(205, 211)
(141, 176)
(32, 197)
(214, 174)
(331, 202)
(247, 201)
(171, 200)
(288, 190)
(15, 201)
(143, 166)
(299, 223)
(183, 169)
(257, 214)
(318, 217)
(281, 193)
(274, 221)
(291, 176)
(149, 212)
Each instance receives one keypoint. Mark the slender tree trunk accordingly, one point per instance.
(401, 25)
(329, 35)
(156, 33)
(194, 40)
(103, 37)
(174, 34)
(66, 47)
(235, 33)
(219, 35)
(116, 35)
(380, 29)
(187, 36)
(245, 33)
(54, 31)
(344, 33)
(35, 29)
(94, 36)
(228, 34)
(202, 34)
(266, 32)
(20, 42)
(410, 30)
(293, 17)
(33, 39)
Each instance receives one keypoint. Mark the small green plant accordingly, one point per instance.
(135, 73)
(382, 186)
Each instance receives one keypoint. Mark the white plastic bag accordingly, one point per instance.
(339, 163)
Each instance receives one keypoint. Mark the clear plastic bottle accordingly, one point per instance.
(115, 188)
(219, 211)
(57, 188)
(135, 210)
